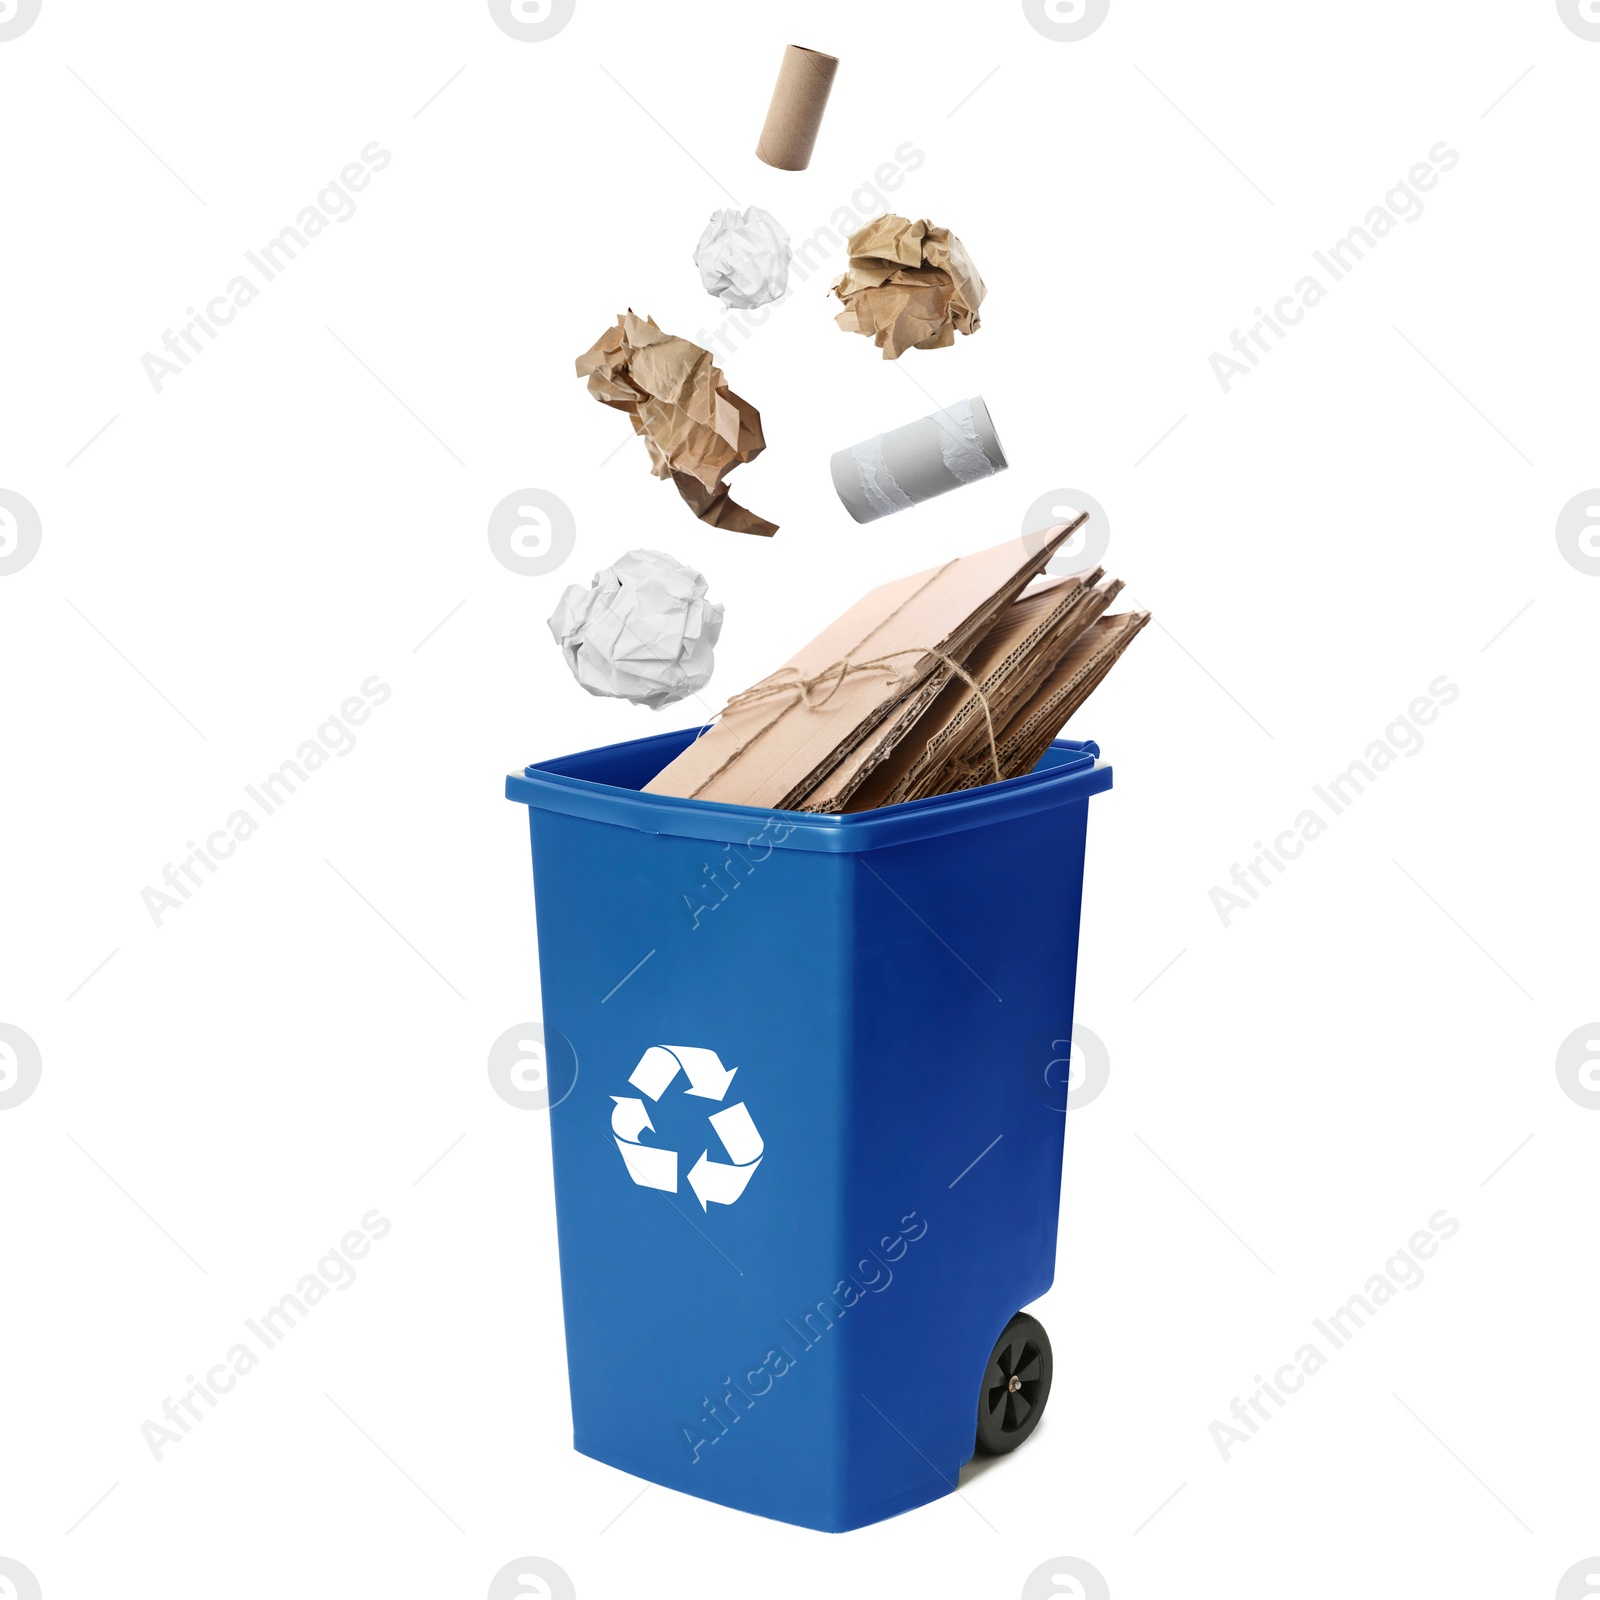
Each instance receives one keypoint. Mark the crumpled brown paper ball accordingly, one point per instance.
(910, 286)
(693, 425)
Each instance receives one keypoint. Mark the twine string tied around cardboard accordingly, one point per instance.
(815, 690)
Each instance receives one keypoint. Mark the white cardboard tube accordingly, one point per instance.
(905, 466)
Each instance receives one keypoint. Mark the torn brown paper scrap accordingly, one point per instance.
(695, 428)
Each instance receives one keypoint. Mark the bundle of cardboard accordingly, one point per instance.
(949, 678)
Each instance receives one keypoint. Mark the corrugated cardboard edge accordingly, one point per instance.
(832, 791)
(999, 655)
(1029, 734)
(972, 752)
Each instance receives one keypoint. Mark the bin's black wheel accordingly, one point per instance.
(1016, 1384)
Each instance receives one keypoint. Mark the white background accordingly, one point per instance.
(1290, 1099)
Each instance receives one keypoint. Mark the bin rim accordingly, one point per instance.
(1069, 773)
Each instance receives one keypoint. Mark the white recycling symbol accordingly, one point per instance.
(654, 1168)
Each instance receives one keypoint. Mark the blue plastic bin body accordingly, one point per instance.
(894, 992)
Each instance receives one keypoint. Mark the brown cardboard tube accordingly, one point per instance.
(798, 100)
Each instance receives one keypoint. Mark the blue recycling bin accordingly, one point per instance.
(808, 1119)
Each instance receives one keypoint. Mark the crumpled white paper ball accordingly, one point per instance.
(643, 631)
(744, 258)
